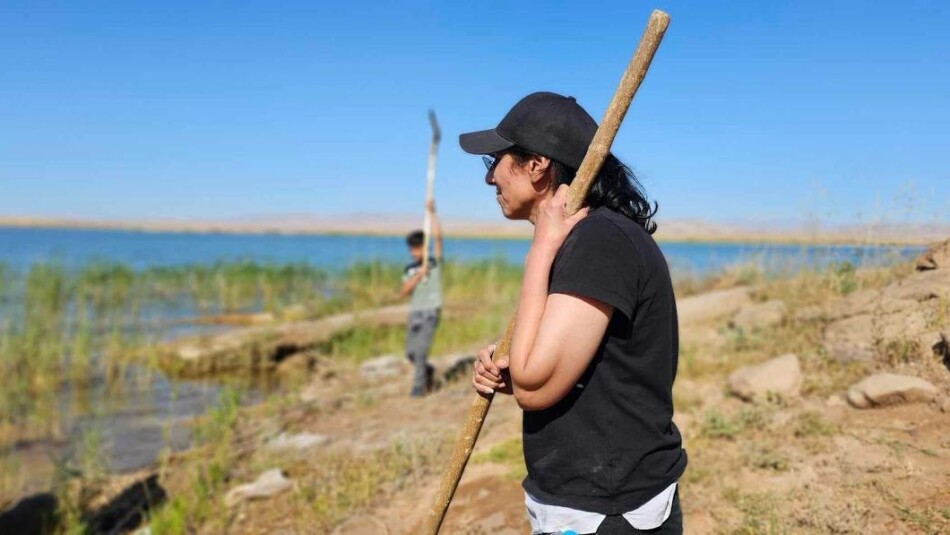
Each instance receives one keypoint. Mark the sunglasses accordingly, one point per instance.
(489, 161)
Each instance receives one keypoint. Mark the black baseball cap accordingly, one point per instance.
(548, 124)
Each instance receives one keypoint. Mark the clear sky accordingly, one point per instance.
(753, 111)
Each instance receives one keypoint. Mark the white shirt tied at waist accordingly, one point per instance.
(546, 518)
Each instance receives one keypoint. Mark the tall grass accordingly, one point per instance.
(65, 331)
(478, 300)
(83, 325)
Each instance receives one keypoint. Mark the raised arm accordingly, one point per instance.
(436, 231)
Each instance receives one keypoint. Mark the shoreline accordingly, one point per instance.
(490, 231)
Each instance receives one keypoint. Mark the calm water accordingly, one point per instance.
(151, 411)
(21, 247)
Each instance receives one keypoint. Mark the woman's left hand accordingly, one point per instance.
(553, 224)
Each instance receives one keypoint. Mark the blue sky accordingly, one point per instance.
(753, 111)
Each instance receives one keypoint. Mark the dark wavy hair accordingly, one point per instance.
(616, 187)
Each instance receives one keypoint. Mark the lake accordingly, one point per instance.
(21, 247)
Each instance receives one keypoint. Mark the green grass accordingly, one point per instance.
(200, 502)
(759, 512)
(479, 299)
(714, 424)
(811, 424)
(509, 453)
(349, 481)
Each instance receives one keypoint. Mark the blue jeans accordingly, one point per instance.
(419, 333)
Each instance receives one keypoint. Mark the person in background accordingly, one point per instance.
(423, 286)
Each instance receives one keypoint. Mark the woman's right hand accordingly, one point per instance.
(491, 377)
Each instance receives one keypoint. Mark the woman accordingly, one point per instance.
(595, 343)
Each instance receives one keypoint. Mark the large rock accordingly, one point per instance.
(808, 314)
(267, 484)
(383, 367)
(781, 377)
(299, 442)
(297, 364)
(936, 257)
(872, 323)
(455, 366)
(759, 316)
(921, 286)
(890, 389)
(850, 338)
(261, 348)
(711, 305)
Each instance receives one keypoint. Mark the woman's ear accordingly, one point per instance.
(538, 167)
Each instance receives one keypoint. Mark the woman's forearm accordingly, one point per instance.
(526, 374)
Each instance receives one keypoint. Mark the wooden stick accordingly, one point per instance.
(593, 160)
(430, 183)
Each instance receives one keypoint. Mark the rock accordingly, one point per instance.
(850, 339)
(310, 392)
(294, 313)
(456, 366)
(859, 302)
(262, 347)
(944, 404)
(921, 286)
(781, 376)
(261, 318)
(386, 366)
(845, 353)
(759, 316)
(835, 400)
(299, 442)
(361, 525)
(711, 305)
(297, 364)
(808, 314)
(936, 257)
(890, 389)
(267, 484)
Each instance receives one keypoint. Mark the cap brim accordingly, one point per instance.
(484, 142)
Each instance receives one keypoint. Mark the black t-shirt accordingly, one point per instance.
(610, 445)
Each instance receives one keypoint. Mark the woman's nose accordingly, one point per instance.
(490, 178)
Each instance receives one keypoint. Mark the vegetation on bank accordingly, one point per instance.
(63, 331)
(119, 306)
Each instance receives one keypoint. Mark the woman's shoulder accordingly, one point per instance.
(604, 223)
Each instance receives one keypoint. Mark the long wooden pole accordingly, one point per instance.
(593, 160)
(430, 183)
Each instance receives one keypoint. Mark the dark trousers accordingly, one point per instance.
(419, 332)
(618, 525)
